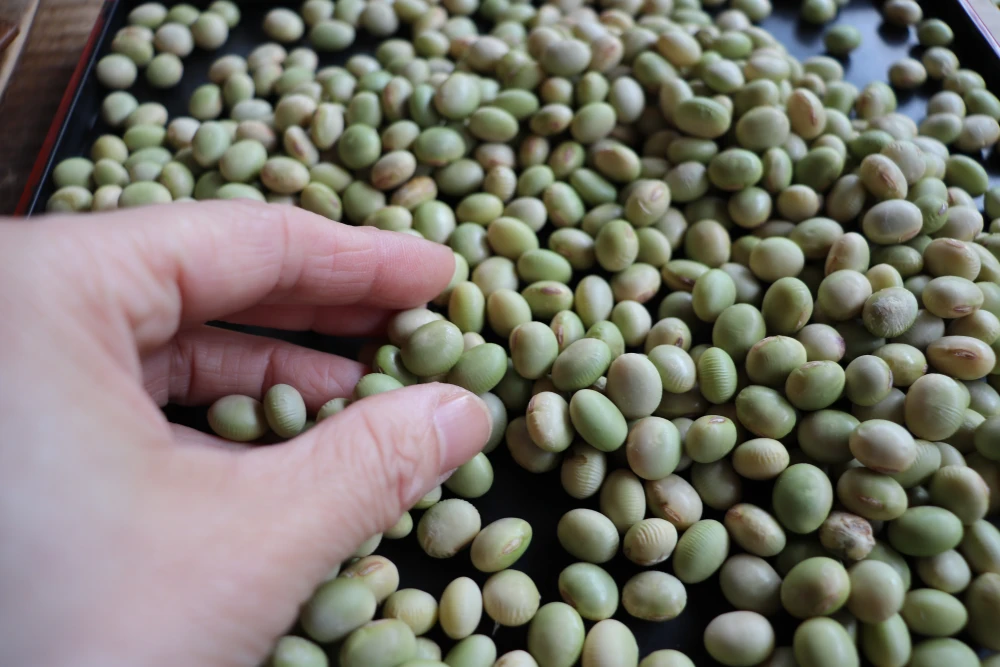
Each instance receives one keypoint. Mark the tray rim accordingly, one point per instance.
(60, 121)
(972, 8)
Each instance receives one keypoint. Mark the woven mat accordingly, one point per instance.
(54, 46)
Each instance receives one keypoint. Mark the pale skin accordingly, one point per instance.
(128, 540)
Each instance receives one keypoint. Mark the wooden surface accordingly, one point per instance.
(989, 15)
(54, 45)
(15, 27)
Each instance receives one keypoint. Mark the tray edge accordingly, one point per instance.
(43, 163)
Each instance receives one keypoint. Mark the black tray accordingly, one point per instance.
(538, 498)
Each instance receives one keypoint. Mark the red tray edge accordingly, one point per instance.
(57, 127)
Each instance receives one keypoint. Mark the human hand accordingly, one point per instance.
(128, 540)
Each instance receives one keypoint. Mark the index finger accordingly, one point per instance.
(190, 263)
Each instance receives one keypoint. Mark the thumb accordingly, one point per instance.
(354, 474)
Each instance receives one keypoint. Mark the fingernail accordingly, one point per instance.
(444, 477)
(418, 490)
(463, 425)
